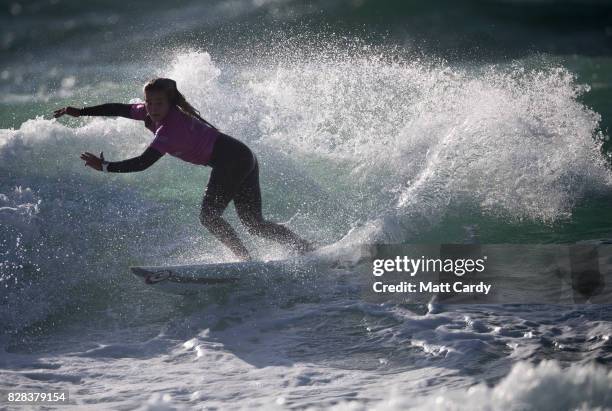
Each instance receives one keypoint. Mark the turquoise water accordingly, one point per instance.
(403, 122)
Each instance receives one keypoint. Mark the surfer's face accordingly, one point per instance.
(157, 105)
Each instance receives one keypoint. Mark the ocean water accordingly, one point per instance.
(397, 123)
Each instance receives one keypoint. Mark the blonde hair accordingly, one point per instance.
(175, 97)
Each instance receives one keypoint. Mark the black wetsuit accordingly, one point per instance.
(234, 176)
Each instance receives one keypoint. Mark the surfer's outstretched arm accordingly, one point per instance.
(142, 162)
(108, 109)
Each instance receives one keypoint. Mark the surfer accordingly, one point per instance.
(181, 132)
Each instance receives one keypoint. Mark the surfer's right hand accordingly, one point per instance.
(71, 111)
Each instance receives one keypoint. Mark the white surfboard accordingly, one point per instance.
(195, 278)
(189, 279)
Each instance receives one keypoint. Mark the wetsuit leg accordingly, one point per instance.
(235, 176)
(232, 162)
(248, 206)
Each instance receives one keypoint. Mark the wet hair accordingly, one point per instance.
(168, 86)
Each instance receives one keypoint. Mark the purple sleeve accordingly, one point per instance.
(138, 111)
(160, 142)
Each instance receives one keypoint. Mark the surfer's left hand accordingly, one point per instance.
(92, 160)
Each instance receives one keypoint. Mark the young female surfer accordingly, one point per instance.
(181, 132)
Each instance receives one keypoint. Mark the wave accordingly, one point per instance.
(352, 138)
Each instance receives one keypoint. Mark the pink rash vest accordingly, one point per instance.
(179, 135)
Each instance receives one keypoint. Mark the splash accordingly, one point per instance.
(413, 136)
